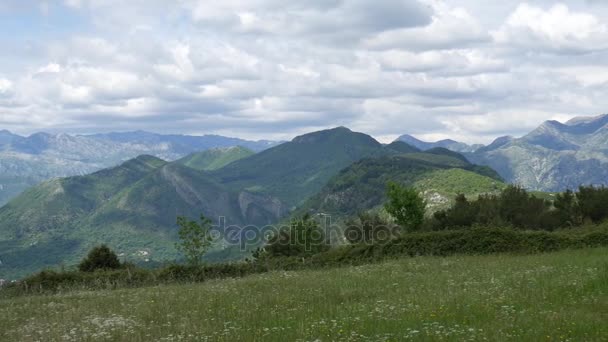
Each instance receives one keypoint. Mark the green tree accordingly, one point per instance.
(195, 239)
(368, 228)
(303, 238)
(406, 206)
(568, 213)
(100, 258)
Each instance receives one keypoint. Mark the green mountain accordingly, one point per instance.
(215, 158)
(133, 207)
(293, 171)
(41, 227)
(440, 177)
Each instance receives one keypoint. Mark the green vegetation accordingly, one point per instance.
(303, 238)
(361, 186)
(406, 206)
(560, 296)
(216, 158)
(293, 171)
(100, 258)
(516, 207)
(304, 246)
(195, 239)
(132, 208)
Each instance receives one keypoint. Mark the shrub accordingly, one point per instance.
(303, 238)
(369, 228)
(406, 206)
(100, 258)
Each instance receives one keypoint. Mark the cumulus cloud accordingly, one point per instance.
(270, 69)
(449, 28)
(557, 30)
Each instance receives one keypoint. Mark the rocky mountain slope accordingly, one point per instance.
(553, 157)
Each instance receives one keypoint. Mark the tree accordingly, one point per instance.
(567, 210)
(100, 258)
(406, 206)
(195, 239)
(368, 228)
(592, 201)
(303, 238)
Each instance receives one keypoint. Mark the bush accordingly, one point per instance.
(406, 206)
(369, 228)
(303, 239)
(100, 258)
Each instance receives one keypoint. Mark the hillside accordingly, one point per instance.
(27, 161)
(554, 157)
(293, 171)
(215, 158)
(41, 227)
(362, 185)
(136, 214)
(133, 207)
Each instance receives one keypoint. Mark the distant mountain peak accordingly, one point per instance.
(586, 119)
(449, 144)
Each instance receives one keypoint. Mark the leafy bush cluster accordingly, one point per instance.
(303, 238)
(517, 208)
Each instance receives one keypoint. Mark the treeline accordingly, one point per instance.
(515, 207)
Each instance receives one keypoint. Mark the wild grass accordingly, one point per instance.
(560, 296)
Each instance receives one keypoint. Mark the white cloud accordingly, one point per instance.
(50, 68)
(449, 28)
(5, 85)
(557, 29)
(273, 69)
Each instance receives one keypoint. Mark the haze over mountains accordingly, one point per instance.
(26, 161)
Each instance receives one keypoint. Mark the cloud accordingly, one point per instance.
(555, 30)
(449, 28)
(275, 69)
(335, 22)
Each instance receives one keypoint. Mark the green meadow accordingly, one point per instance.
(560, 296)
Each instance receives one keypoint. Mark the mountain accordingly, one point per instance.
(293, 171)
(26, 161)
(181, 144)
(554, 157)
(440, 176)
(41, 227)
(133, 207)
(215, 158)
(448, 144)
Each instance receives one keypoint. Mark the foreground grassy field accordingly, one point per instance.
(549, 297)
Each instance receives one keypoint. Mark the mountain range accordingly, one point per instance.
(447, 143)
(26, 161)
(133, 206)
(553, 157)
(142, 181)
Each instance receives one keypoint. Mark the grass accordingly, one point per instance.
(546, 297)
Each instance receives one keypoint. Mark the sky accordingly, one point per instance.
(269, 69)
